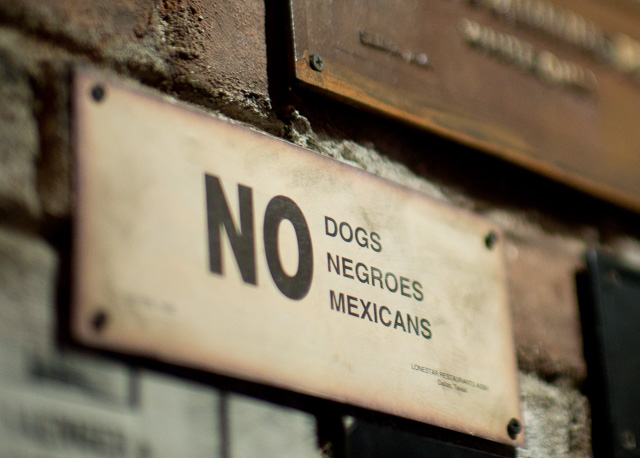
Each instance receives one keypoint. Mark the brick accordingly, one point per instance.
(221, 43)
(557, 420)
(546, 318)
(182, 45)
(259, 428)
(28, 268)
(124, 32)
(18, 141)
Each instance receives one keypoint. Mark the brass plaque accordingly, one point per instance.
(554, 87)
(206, 244)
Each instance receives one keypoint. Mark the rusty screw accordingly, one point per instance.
(491, 239)
(97, 92)
(316, 62)
(514, 427)
(99, 320)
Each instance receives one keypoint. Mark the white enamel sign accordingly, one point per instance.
(208, 245)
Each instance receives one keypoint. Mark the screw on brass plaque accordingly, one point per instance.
(514, 427)
(99, 321)
(491, 239)
(316, 62)
(97, 92)
(609, 292)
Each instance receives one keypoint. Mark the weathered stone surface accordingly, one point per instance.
(18, 140)
(258, 428)
(225, 43)
(27, 287)
(556, 420)
(181, 45)
(299, 132)
(115, 30)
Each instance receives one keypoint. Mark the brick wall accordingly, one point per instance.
(64, 402)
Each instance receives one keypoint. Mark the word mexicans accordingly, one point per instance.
(380, 314)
